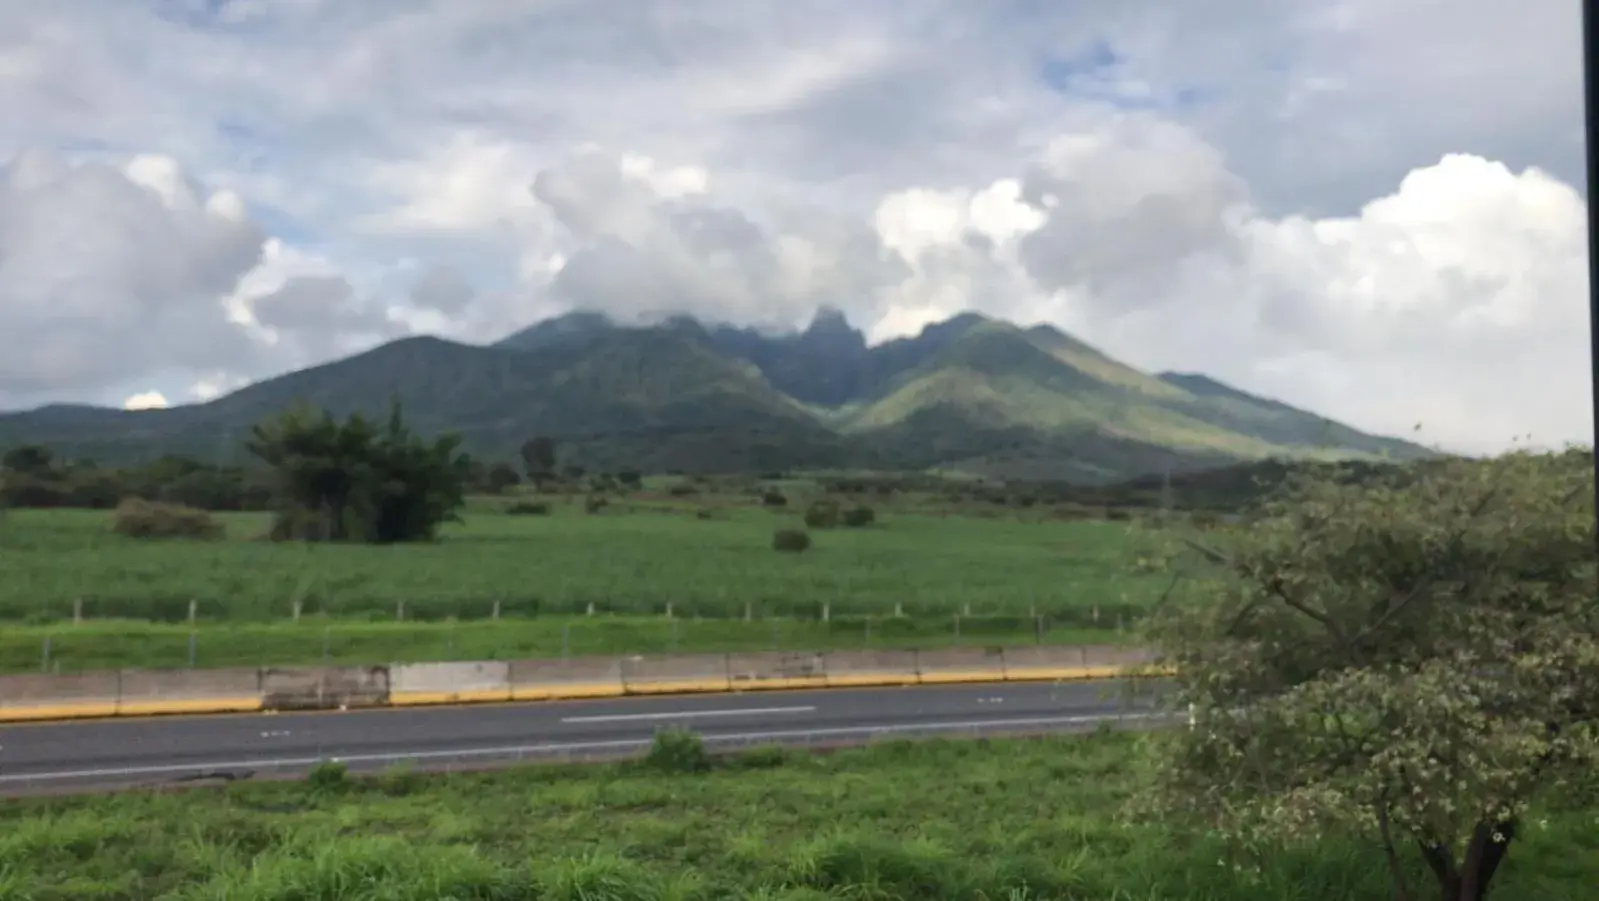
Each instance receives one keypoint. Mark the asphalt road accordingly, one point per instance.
(113, 754)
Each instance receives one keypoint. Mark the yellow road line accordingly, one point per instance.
(171, 707)
(681, 687)
(471, 696)
(577, 691)
(33, 712)
(779, 683)
(862, 680)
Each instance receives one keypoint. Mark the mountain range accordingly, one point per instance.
(969, 394)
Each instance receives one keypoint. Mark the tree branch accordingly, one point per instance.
(1395, 868)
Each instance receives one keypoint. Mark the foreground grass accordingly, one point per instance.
(982, 821)
(64, 648)
(617, 561)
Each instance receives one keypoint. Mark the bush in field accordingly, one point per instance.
(792, 541)
(822, 515)
(594, 503)
(774, 498)
(677, 750)
(528, 508)
(139, 518)
(682, 489)
(860, 516)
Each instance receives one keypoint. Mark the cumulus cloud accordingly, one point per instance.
(107, 273)
(647, 242)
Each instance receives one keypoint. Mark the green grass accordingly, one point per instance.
(65, 648)
(977, 821)
(617, 561)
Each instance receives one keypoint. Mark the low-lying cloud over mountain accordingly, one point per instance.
(1370, 210)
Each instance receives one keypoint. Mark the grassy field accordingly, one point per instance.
(977, 821)
(64, 648)
(637, 562)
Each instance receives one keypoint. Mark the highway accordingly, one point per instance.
(119, 754)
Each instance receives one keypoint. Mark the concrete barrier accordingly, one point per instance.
(680, 673)
(861, 668)
(146, 693)
(324, 688)
(165, 692)
(555, 680)
(449, 683)
(960, 665)
(776, 669)
(58, 697)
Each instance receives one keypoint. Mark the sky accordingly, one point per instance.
(1373, 209)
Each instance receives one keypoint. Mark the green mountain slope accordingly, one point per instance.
(969, 393)
(630, 397)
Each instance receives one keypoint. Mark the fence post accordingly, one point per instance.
(496, 614)
(399, 611)
(899, 608)
(77, 611)
(1038, 630)
(827, 611)
(957, 627)
(296, 611)
(194, 641)
(749, 611)
(44, 662)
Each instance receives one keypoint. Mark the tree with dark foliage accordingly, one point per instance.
(538, 459)
(355, 481)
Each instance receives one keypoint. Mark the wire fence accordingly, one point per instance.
(95, 645)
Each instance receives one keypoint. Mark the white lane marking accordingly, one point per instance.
(556, 747)
(683, 714)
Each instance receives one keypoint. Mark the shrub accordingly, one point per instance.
(528, 508)
(677, 750)
(857, 517)
(595, 503)
(682, 489)
(774, 498)
(138, 518)
(791, 541)
(822, 515)
(328, 776)
(705, 513)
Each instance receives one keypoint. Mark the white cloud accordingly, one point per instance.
(1299, 197)
(114, 273)
(146, 400)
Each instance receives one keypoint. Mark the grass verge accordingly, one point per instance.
(978, 821)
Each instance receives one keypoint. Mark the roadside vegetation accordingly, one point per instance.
(1040, 820)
